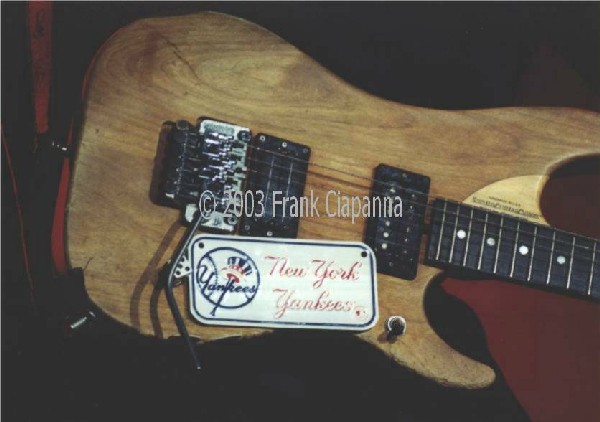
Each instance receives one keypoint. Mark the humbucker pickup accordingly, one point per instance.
(396, 239)
(278, 172)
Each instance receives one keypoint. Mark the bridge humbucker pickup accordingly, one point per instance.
(396, 239)
(276, 171)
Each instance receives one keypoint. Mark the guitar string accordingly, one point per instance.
(446, 212)
(413, 192)
(416, 193)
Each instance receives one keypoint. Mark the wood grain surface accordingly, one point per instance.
(229, 69)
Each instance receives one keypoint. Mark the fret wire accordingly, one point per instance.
(454, 233)
(550, 261)
(468, 238)
(508, 229)
(592, 272)
(519, 240)
(482, 241)
(571, 263)
(437, 255)
(512, 267)
(532, 253)
(498, 245)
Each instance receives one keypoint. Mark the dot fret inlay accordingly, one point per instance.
(512, 249)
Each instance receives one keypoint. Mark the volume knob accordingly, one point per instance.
(395, 326)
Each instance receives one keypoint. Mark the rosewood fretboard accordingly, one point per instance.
(510, 248)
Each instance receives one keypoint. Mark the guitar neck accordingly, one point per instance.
(513, 249)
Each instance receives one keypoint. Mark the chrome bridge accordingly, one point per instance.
(205, 167)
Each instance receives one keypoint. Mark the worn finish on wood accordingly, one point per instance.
(214, 65)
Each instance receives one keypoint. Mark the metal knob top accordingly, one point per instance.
(395, 326)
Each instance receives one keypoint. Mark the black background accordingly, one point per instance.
(452, 56)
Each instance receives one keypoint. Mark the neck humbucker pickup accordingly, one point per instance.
(396, 236)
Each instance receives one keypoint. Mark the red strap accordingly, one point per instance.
(58, 224)
(39, 20)
(39, 16)
(58, 227)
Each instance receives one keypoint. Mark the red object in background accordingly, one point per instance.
(547, 346)
(39, 16)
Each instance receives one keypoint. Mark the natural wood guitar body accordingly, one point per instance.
(229, 69)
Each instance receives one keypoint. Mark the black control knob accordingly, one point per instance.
(395, 327)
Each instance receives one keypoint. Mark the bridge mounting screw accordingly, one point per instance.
(395, 326)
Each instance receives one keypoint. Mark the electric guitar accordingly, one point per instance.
(498, 168)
